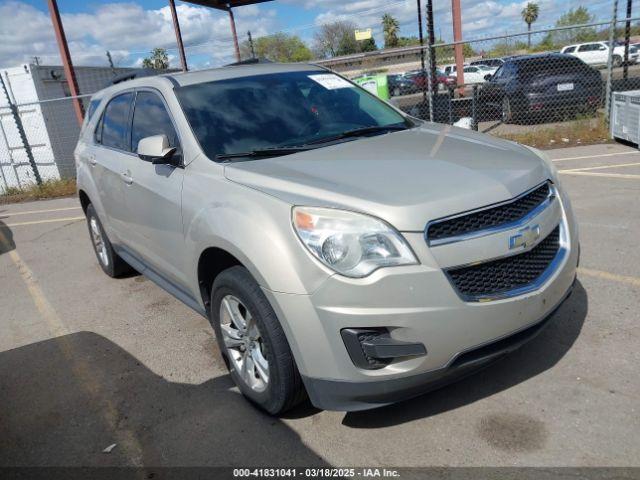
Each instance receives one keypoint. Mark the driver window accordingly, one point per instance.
(150, 117)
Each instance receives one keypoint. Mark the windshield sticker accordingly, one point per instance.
(330, 81)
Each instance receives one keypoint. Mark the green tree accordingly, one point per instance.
(158, 59)
(368, 45)
(576, 16)
(278, 47)
(335, 38)
(530, 15)
(390, 28)
(408, 41)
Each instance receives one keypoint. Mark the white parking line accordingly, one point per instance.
(50, 220)
(600, 167)
(32, 212)
(594, 156)
(606, 175)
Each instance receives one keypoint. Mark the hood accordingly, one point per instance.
(406, 178)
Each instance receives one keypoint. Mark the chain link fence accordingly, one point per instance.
(542, 88)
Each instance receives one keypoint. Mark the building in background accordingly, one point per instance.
(46, 112)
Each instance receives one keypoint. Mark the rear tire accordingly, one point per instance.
(108, 259)
(507, 111)
(253, 343)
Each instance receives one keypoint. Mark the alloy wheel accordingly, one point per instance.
(98, 241)
(244, 344)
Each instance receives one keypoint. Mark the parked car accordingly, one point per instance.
(489, 62)
(399, 84)
(474, 74)
(331, 240)
(440, 81)
(542, 83)
(451, 68)
(597, 53)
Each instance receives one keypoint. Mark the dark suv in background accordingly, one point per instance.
(529, 85)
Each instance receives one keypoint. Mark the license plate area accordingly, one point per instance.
(565, 87)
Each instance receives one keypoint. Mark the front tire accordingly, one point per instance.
(617, 61)
(253, 343)
(108, 259)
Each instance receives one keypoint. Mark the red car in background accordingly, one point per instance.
(441, 81)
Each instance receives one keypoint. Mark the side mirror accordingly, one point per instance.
(156, 149)
(488, 76)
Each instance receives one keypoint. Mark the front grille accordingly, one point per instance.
(505, 274)
(490, 217)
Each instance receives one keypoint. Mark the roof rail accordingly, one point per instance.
(250, 61)
(138, 73)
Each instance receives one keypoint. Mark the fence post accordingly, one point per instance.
(21, 132)
(607, 92)
(430, 57)
(474, 109)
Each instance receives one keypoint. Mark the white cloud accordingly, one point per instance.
(127, 30)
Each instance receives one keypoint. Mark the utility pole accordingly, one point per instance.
(113, 68)
(627, 34)
(431, 57)
(426, 87)
(607, 92)
(253, 52)
(233, 32)
(456, 13)
(67, 65)
(176, 28)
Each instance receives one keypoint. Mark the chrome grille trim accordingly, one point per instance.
(554, 265)
(553, 194)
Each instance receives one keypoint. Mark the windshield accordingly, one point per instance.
(278, 110)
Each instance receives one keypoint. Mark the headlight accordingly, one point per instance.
(350, 243)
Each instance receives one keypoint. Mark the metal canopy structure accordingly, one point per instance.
(219, 5)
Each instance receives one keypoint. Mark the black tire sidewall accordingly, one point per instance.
(237, 281)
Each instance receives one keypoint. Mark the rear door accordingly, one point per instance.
(108, 159)
(588, 53)
(154, 195)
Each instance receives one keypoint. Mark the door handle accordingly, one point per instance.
(126, 178)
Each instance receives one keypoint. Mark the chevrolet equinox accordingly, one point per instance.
(341, 249)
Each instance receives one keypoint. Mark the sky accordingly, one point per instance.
(130, 29)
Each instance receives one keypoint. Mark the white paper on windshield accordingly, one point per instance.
(330, 81)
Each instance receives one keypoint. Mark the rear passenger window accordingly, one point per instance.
(150, 117)
(569, 49)
(114, 123)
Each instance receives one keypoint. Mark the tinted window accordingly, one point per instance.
(280, 109)
(150, 117)
(589, 47)
(115, 121)
(569, 49)
(553, 66)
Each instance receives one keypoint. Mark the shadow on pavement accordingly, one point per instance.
(66, 399)
(539, 355)
(6, 239)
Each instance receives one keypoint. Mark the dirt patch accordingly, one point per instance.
(513, 432)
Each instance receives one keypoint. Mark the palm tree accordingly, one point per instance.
(390, 27)
(530, 15)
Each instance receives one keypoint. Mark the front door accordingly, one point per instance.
(154, 197)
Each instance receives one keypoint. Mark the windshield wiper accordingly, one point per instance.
(263, 152)
(357, 132)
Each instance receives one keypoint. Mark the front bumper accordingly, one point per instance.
(353, 396)
(417, 304)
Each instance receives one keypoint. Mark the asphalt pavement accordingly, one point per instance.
(87, 362)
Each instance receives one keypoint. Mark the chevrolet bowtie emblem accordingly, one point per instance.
(525, 237)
